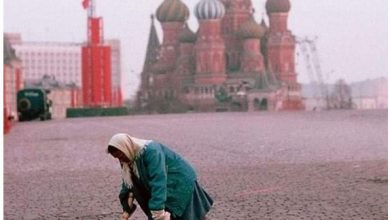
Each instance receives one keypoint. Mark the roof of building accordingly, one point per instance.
(263, 24)
(209, 9)
(239, 5)
(153, 46)
(172, 11)
(251, 29)
(48, 82)
(266, 81)
(278, 6)
(186, 35)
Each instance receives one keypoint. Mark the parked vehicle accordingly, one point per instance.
(32, 104)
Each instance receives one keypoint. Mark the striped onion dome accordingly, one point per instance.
(209, 9)
(187, 36)
(250, 30)
(172, 11)
(278, 6)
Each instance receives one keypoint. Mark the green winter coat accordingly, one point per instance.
(169, 178)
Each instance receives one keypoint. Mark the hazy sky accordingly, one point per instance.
(352, 34)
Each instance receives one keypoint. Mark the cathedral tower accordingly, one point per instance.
(172, 14)
(281, 52)
(251, 59)
(185, 63)
(210, 46)
(237, 12)
(281, 43)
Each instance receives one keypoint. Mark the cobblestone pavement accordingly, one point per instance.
(286, 165)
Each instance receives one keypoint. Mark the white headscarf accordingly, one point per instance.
(131, 147)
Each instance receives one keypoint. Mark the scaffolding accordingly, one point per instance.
(308, 49)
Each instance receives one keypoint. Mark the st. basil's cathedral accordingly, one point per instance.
(231, 63)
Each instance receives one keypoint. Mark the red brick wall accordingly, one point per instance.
(251, 58)
(210, 53)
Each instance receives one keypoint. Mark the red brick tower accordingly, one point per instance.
(12, 83)
(281, 43)
(252, 60)
(172, 14)
(281, 51)
(185, 64)
(210, 46)
(237, 12)
(96, 63)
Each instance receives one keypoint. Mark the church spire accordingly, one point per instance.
(153, 46)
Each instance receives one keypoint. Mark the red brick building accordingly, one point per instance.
(230, 63)
(13, 82)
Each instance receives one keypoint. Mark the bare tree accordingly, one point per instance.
(341, 97)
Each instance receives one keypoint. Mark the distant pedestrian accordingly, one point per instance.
(162, 182)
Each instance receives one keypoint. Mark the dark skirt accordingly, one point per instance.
(197, 208)
(199, 205)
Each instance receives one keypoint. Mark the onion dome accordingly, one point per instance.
(278, 6)
(209, 9)
(172, 11)
(250, 29)
(186, 35)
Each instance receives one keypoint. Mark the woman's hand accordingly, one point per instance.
(125, 216)
(130, 200)
(132, 206)
(161, 215)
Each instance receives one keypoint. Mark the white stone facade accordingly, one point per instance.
(61, 60)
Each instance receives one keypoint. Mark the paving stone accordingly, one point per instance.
(286, 165)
